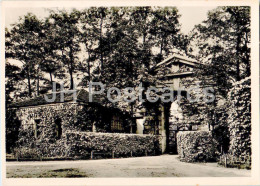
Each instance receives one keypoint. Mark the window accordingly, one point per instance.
(116, 125)
(37, 132)
(58, 129)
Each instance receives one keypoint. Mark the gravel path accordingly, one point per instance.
(153, 166)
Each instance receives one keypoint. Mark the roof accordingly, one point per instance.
(180, 59)
(81, 96)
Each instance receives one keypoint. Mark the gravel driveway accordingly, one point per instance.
(152, 166)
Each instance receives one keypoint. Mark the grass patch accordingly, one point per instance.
(64, 173)
(58, 173)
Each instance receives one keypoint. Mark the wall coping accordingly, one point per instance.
(102, 133)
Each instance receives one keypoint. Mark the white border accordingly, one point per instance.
(253, 180)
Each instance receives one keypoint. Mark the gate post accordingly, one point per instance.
(162, 131)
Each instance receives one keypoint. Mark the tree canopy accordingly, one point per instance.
(116, 46)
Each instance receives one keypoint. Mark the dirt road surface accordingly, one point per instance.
(152, 166)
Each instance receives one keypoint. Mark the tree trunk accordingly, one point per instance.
(29, 83)
(247, 60)
(89, 71)
(71, 69)
(51, 77)
(51, 81)
(71, 80)
(132, 122)
(38, 82)
(146, 60)
(38, 85)
(161, 48)
(101, 45)
(144, 37)
(88, 64)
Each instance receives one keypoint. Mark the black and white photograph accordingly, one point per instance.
(130, 91)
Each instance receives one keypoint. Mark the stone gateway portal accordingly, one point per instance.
(178, 70)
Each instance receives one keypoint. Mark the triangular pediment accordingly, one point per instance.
(176, 65)
(178, 59)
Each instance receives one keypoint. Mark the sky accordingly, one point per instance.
(190, 15)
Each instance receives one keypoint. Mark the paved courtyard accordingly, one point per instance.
(156, 166)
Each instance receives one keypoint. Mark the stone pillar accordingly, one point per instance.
(140, 125)
(94, 127)
(162, 130)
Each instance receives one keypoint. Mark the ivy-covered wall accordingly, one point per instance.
(72, 116)
(43, 119)
(239, 125)
(48, 123)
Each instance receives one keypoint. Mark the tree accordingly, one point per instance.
(12, 76)
(141, 21)
(65, 27)
(159, 33)
(96, 23)
(224, 45)
(165, 28)
(22, 44)
(49, 62)
(89, 37)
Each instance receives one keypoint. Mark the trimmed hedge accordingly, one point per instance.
(122, 145)
(80, 145)
(196, 146)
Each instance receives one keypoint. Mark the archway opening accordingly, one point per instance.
(174, 116)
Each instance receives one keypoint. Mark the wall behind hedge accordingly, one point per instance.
(196, 146)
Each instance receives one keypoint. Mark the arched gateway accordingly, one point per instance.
(177, 69)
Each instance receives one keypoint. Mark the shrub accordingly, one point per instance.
(123, 145)
(79, 145)
(27, 153)
(196, 146)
